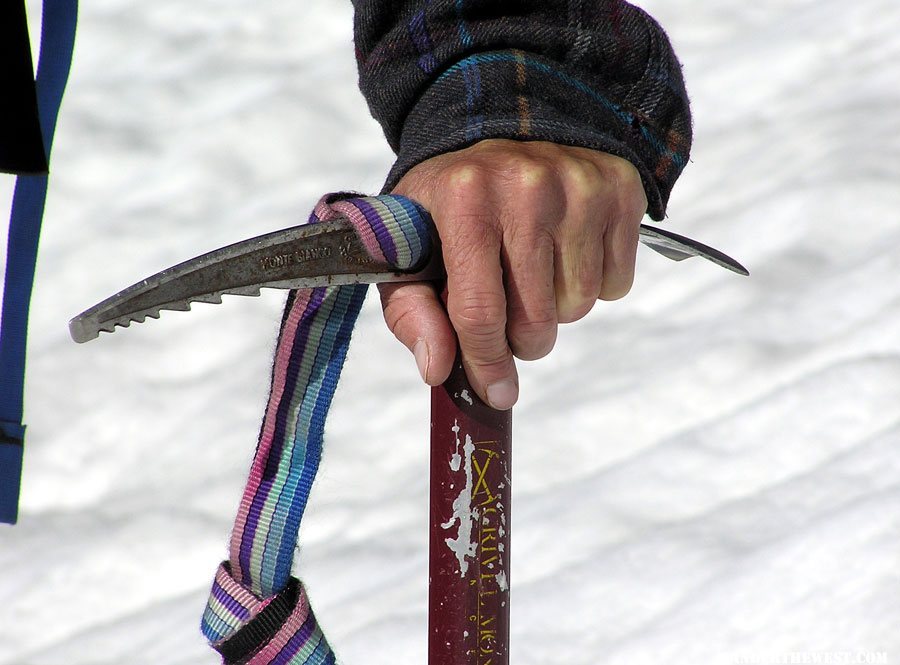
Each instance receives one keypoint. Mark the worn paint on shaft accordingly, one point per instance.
(468, 620)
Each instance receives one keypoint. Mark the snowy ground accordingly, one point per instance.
(706, 472)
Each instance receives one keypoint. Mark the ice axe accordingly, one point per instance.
(470, 443)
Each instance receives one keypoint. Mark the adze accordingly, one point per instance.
(469, 550)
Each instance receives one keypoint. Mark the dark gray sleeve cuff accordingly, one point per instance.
(442, 75)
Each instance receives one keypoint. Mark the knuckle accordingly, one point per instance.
(617, 282)
(484, 348)
(535, 193)
(469, 216)
(497, 359)
(534, 338)
(625, 181)
(479, 317)
(464, 178)
(582, 179)
(531, 175)
(396, 318)
(620, 170)
(400, 311)
(617, 291)
(579, 291)
(574, 308)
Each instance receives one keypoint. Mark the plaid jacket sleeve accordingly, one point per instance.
(440, 75)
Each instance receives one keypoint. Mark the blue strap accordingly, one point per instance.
(57, 42)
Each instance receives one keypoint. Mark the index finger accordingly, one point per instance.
(468, 222)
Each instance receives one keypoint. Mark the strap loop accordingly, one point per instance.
(311, 349)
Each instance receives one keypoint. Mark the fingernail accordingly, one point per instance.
(502, 395)
(420, 351)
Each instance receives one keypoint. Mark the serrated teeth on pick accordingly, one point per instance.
(209, 298)
(176, 306)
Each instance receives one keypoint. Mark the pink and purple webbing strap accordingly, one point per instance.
(257, 614)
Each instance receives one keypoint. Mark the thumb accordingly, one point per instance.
(416, 317)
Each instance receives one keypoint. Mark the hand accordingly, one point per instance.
(533, 234)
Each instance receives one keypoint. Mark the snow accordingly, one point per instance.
(722, 486)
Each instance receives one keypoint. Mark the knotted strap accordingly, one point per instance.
(257, 613)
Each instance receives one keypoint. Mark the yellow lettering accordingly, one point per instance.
(481, 471)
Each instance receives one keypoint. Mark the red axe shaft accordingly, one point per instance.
(471, 465)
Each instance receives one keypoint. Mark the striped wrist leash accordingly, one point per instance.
(257, 614)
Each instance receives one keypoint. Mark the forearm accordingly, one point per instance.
(443, 75)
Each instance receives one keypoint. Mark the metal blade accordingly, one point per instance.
(678, 248)
(303, 256)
